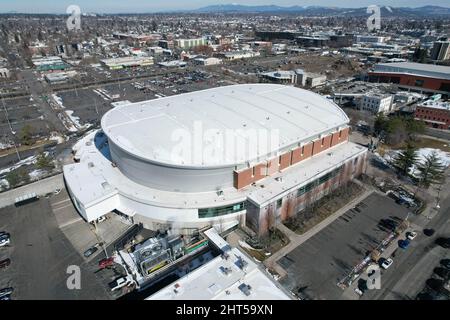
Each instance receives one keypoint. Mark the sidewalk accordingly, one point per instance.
(296, 239)
(40, 187)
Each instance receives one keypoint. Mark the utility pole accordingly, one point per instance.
(10, 127)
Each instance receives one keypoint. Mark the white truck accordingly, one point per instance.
(121, 282)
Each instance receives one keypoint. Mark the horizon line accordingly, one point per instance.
(212, 5)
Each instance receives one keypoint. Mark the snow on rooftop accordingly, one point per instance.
(146, 129)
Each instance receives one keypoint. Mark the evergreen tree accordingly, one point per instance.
(406, 159)
(431, 171)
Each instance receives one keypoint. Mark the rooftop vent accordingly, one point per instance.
(245, 288)
(90, 165)
(226, 271)
(241, 263)
(220, 192)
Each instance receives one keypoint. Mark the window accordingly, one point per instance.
(279, 203)
(418, 83)
(220, 211)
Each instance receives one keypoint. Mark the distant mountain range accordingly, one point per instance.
(324, 11)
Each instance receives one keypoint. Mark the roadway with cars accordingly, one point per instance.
(414, 265)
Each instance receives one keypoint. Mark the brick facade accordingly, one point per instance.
(247, 176)
(262, 219)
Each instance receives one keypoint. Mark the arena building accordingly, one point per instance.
(249, 154)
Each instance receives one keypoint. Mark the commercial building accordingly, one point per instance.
(434, 113)
(376, 102)
(440, 51)
(234, 55)
(370, 39)
(126, 62)
(420, 77)
(281, 77)
(173, 64)
(207, 61)
(4, 73)
(59, 77)
(50, 63)
(313, 41)
(247, 154)
(190, 43)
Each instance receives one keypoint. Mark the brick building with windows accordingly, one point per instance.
(418, 77)
(435, 114)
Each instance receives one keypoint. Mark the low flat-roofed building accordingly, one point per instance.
(173, 64)
(415, 76)
(50, 63)
(281, 77)
(230, 276)
(234, 55)
(126, 62)
(207, 61)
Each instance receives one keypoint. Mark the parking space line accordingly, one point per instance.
(59, 202)
(70, 222)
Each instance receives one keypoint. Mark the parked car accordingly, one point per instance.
(445, 263)
(120, 283)
(443, 242)
(6, 291)
(89, 252)
(428, 232)
(6, 297)
(411, 235)
(4, 263)
(404, 244)
(107, 262)
(442, 272)
(4, 234)
(359, 292)
(386, 263)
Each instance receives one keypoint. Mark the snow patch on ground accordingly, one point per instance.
(74, 124)
(27, 161)
(5, 145)
(37, 173)
(4, 184)
(422, 153)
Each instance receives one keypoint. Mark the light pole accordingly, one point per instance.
(10, 127)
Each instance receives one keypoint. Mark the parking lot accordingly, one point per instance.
(21, 112)
(47, 236)
(322, 261)
(40, 255)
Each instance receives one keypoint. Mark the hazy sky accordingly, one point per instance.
(113, 6)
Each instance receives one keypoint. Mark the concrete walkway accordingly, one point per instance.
(40, 187)
(297, 239)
